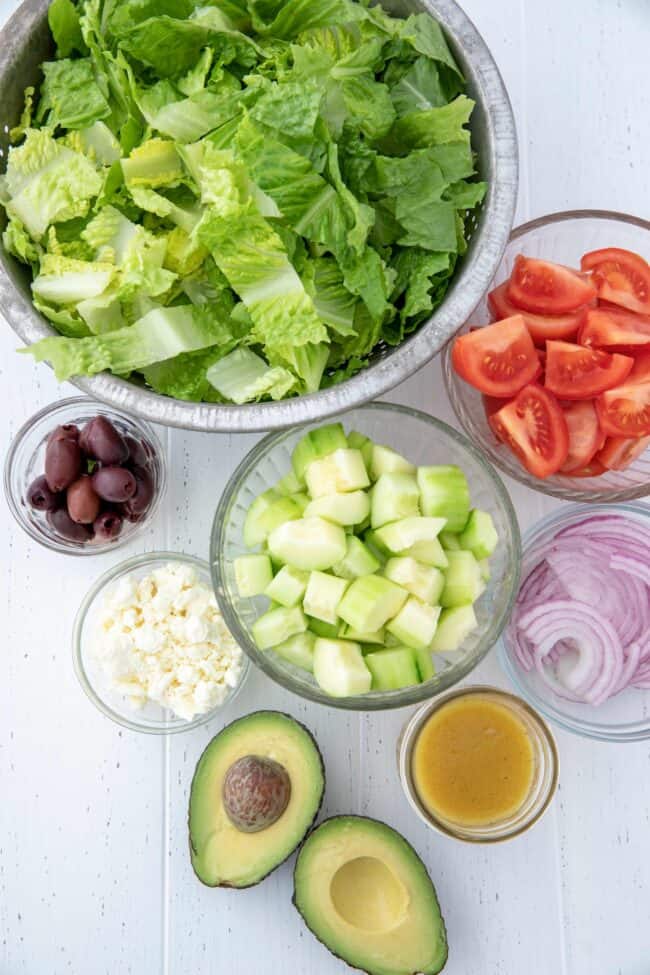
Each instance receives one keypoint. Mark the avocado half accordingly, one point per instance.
(224, 855)
(366, 895)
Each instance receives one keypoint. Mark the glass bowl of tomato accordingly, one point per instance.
(558, 394)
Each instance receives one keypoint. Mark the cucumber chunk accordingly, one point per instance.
(360, 442)
(329, 631)
(480, 536)
(289, 484)
(424, 663)
(424, 581)
(376, 637)
(342, 509)
(298, 650)
(454, 626)
(316, 444)
(463, 582)
(253, 573)
(323, 595)
(308, 543)
(431, 553)
(288, 587)
(449, 541)
(387, 461)
(404, 534)
(339, 668)
(444, 494)
(415, 624)
(357, 561)
(370, 602)
(392, 669)
(484, 568)
(278, 625)
(266, 513)
(395, 496)
(302, 501)
(343, 470)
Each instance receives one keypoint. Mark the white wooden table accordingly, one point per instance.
(94, 871)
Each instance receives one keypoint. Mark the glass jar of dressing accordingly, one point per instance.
(478, 764)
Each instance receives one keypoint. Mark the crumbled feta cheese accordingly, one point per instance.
(162, 639)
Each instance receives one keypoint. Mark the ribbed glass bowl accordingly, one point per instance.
(423, 440)
(152, 718)
(564, 238)
(624, 717)
(26, 460)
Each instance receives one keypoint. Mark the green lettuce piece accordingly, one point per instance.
(333, 302)
(288, 18)
(244, 377)
(103, 313)
(25, 122)
(63, 18)
(172, 46)
(99, 144)
(146, 199)
(17, 241)
(160, 334)
(466, 196)
(47, 182)
(67, 320)
(65, 281)
(188, 119)
(431, 127)
(426, 36)
(309, 362)
(184, 377)
(253, 259)
(292, 108)
(419, 89)
(70, 96)
(416, 269)
(154, 163)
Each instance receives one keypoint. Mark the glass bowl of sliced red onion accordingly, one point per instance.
(577, 646)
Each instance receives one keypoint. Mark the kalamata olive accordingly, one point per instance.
(138, 504)
(82, 501)
(69, 431)
(140, 453)
(107, 525)
(62, 464)
(100, 440)
(40, 497)
(256, 791)
(114, 483)
(63, 525)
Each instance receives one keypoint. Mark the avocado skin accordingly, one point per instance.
(415, 854)
(245, 717)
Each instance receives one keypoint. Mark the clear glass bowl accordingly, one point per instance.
(423, 440)
(561, 237)
(26, 460)
(624, 717)
(152, 718)
(545, 776)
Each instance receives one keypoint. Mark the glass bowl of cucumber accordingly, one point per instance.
(369, 563)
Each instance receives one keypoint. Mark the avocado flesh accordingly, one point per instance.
(224, 856)
(367, 896)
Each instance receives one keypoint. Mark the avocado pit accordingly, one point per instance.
(256, 792)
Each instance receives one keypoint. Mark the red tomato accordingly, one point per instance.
(625, 410)
(533, 426)
(550, 289)
(641, 368)
(574, 372)
(541, 327)
(585, 436)
(621, 277)
(493, 403)
(606, 328)
(498, 359)
(619, 452)
(593, 469)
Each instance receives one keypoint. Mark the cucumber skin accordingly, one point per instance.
(444, 493)
(480, 536)
(316, 444)
(392, 669)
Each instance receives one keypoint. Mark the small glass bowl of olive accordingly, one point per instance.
(81, 478)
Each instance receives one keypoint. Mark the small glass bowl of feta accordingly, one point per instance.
(151, 649)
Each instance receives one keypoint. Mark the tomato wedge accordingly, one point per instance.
(491, 404)
(621, 277)
(641, 368)
(574, 372)
(593, 469)
(541, 327)
(498, 359)
(625, 410)
(546, 288)
(585, 435)
(533, 426)
(619, 452)
(605, 328)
